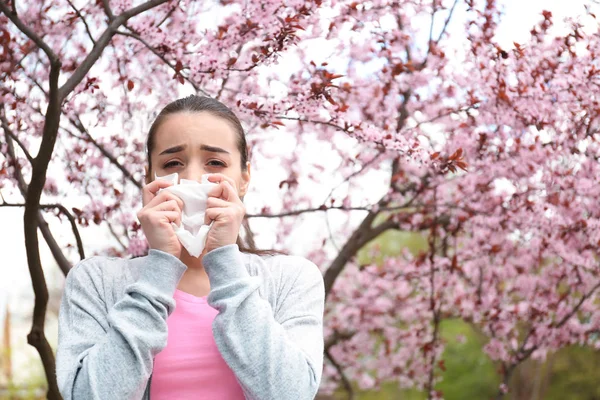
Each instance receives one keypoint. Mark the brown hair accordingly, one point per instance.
(198, 104)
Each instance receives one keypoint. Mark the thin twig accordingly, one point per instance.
(163, 59)
(63, 210)
(447, 22)
(171, 11)
(14, 137)
(117, 238)
(79, 125)
(355, 173)
(87, 28)
(324, 208)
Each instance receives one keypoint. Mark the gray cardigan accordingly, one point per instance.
(269, 329)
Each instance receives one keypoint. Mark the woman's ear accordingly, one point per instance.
(148, 178)
(245, 181)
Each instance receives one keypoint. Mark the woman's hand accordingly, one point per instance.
(157, 214)
(225, 209)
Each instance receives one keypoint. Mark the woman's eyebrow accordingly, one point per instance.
(205, 147)
(174, 149)
(213, 149)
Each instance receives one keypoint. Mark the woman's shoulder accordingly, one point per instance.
(98, 269)
(288, 268)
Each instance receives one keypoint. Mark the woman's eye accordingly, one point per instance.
(217, 163)
(171, 164)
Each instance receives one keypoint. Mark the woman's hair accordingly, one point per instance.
(199, 104)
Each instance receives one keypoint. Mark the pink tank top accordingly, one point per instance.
(191, 367)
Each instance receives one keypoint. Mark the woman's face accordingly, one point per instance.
(194, 144)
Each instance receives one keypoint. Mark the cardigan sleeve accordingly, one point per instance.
(108, 353)
(273, 359)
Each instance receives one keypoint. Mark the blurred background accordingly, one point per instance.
(468, 129)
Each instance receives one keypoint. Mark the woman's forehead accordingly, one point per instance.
(195, 129)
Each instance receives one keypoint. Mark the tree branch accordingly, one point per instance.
(63, 210)
(366, 232)
(55, 248)
(117, 238)
(87, 28)
(169, 13)
(101, 44)
(435, 309)
(12, 15)
(345, 382)
(576, 308)
(358, 239)
(323, 208)
(107, 10)
(79, 125)
(14, 137)
(403, 111)
(355, 173)
(36, 336)
(447, 22)
(338, 337)
(162, 58)
(132, 12)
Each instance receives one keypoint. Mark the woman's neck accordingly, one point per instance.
(195, 280)
(191, 261)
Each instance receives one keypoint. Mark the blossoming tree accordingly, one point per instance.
(490, 153)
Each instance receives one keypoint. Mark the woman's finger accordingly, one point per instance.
(216, 202)
(169, 205)
(162, 197)
(150, 190)
(225, 191)
(218, 178)
(212, 214)
(171, 216)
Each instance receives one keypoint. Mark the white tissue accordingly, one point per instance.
(192, 232)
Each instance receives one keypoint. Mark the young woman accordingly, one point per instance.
(232, 323)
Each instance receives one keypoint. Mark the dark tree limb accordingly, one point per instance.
(435, 308)
(338, 337)
(36, 336)
(56, 96)
(63, 263)
(14, 18)
(345, 382)
(101, 44)
(359, 238)
(107, 10)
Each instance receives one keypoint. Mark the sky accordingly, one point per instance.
(15, 284)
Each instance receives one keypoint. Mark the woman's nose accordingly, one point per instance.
(193, 172)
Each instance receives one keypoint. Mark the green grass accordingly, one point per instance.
(469, 374)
